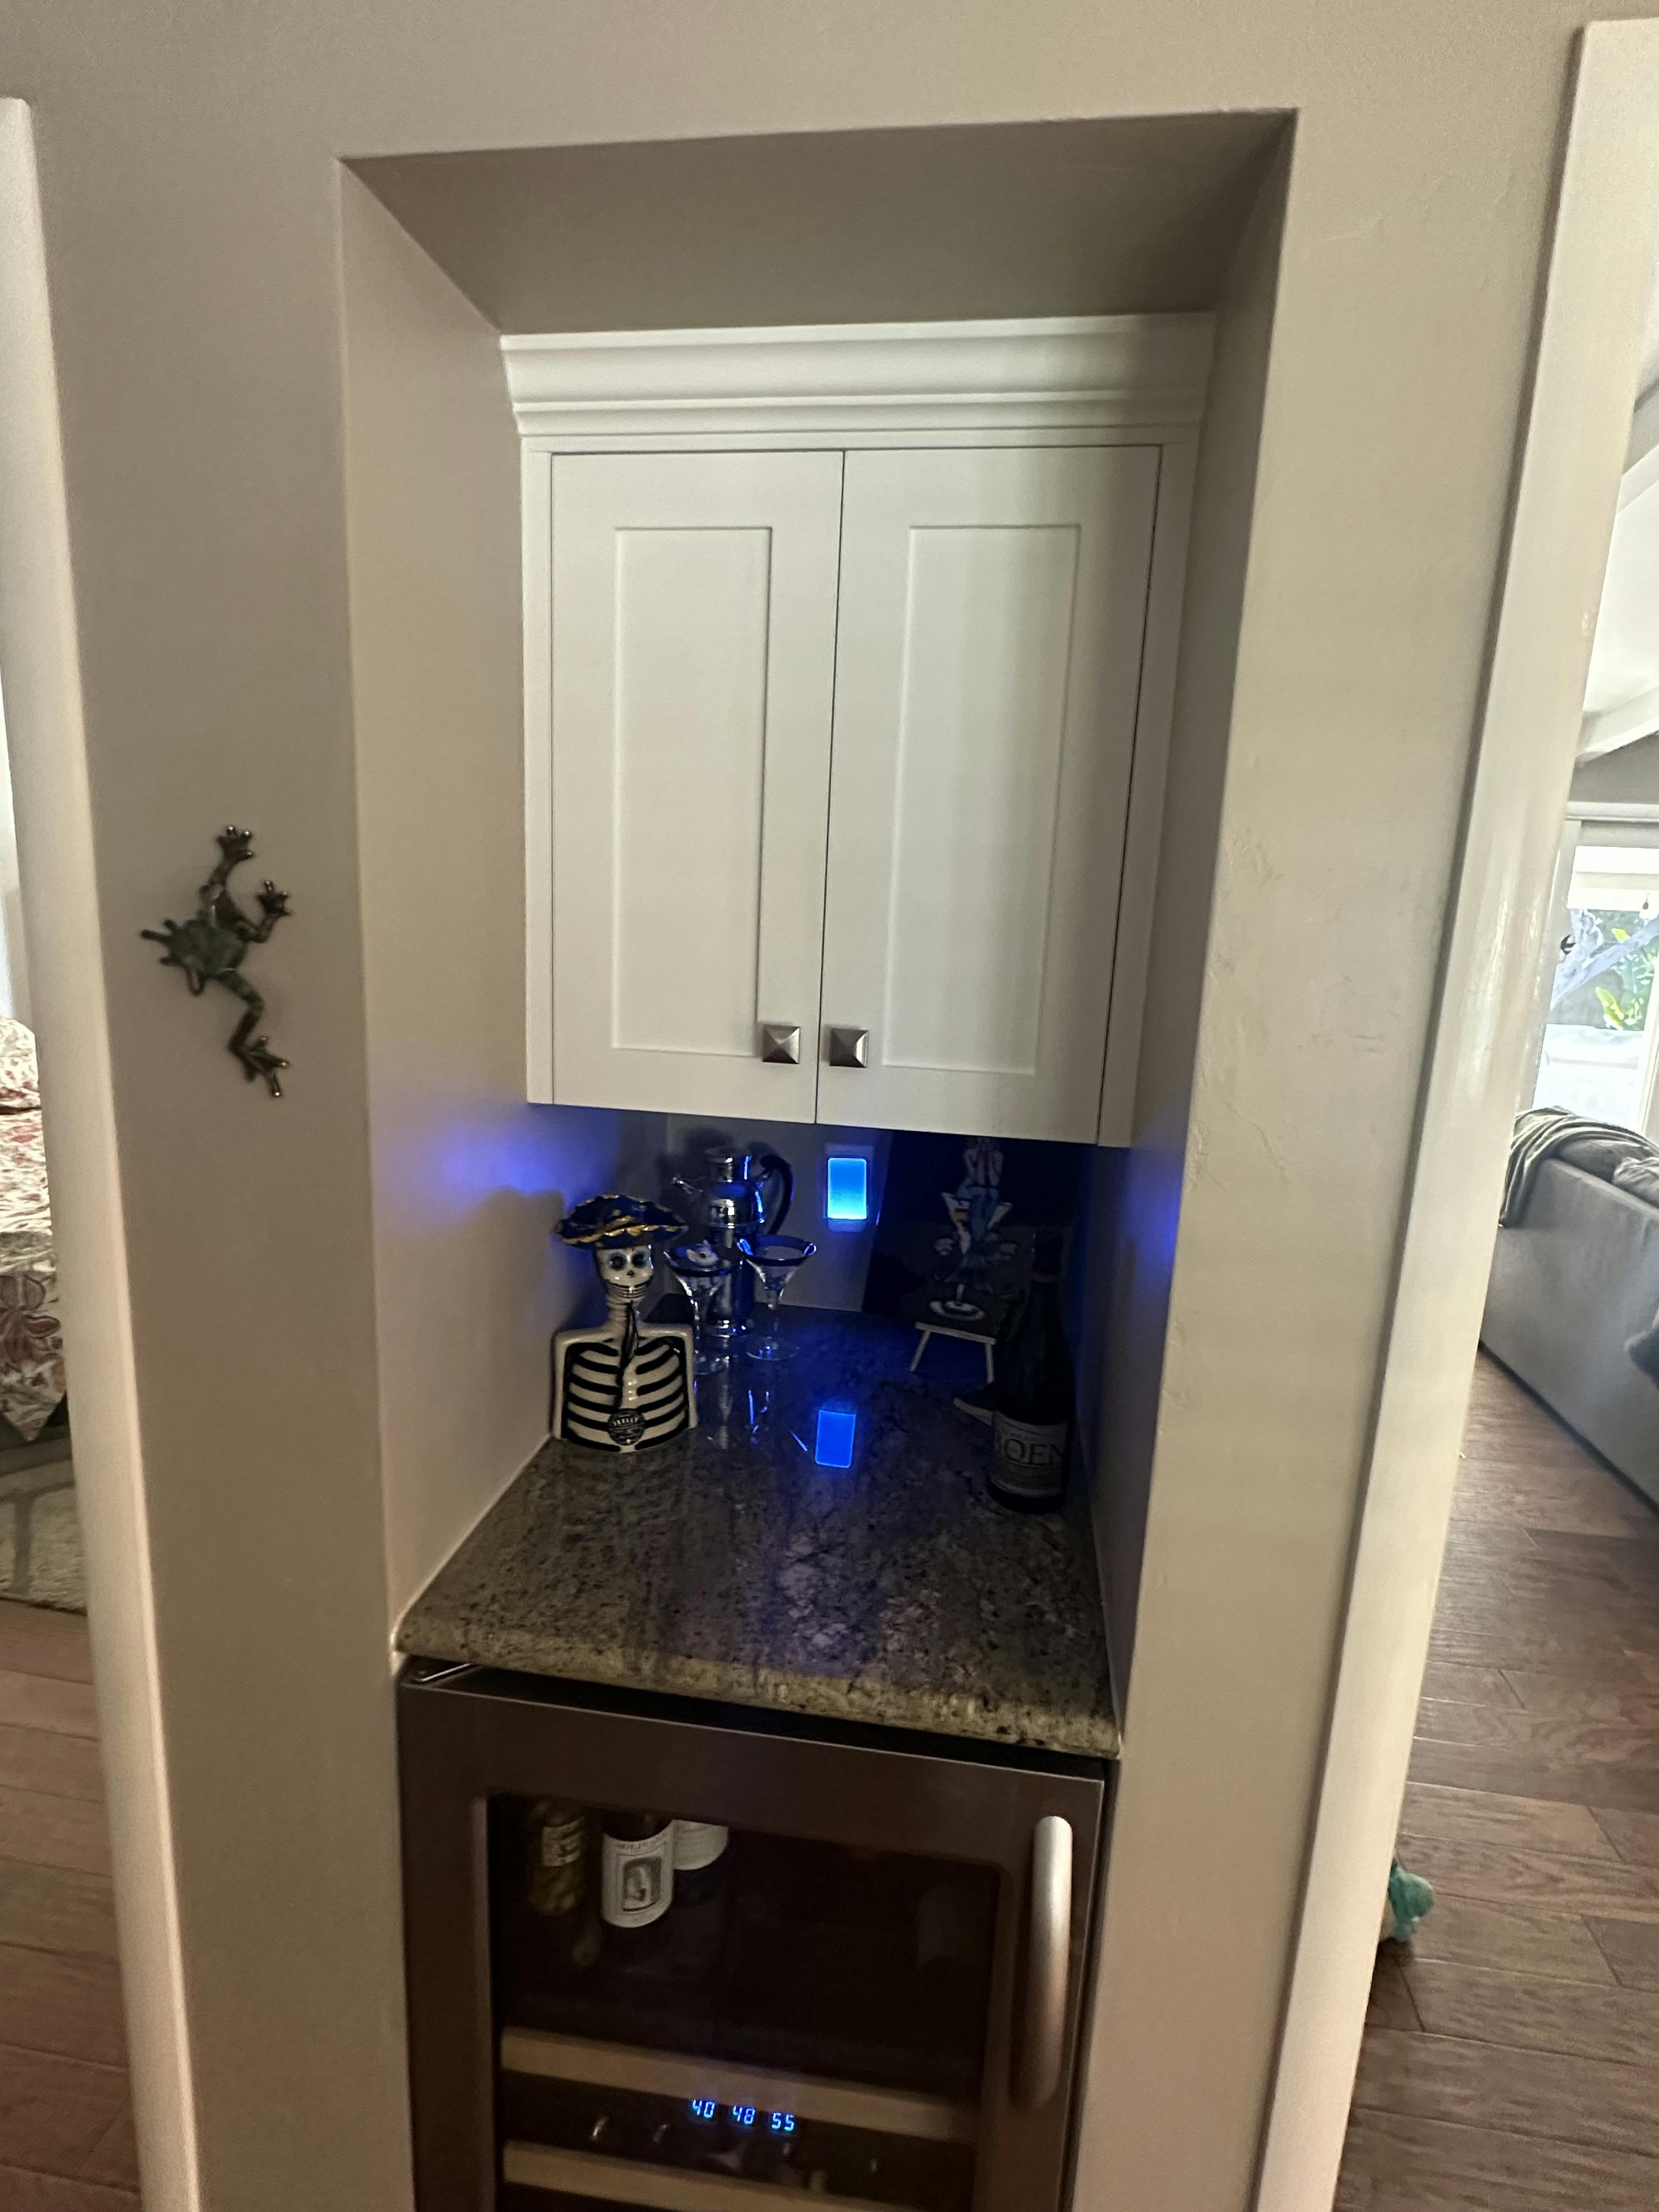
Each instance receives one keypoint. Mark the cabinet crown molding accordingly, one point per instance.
(848, 380)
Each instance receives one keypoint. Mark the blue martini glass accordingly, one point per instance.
(774, 1261)
(700, 1269)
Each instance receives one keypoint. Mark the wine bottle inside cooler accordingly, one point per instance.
(1031, 1425)
(558, 1879)
(699, 1858)
(700, 1869)
(636, 1872)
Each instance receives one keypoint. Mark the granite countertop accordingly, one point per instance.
(729, 1565)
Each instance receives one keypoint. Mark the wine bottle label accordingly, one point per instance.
(636, 1880)
(558, 1859)
(1030, 1456)
(562, 1842)
(698, 1844)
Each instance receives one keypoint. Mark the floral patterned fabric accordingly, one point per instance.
(31, 1342)
(20, 1078)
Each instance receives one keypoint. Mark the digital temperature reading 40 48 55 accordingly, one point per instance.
(744, 2116)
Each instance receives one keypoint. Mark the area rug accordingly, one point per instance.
(41, 1537)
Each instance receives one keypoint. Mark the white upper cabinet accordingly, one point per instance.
(692, 676)
(848, 665)
(991, 609)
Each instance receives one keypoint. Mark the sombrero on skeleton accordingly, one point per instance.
(613, 1218)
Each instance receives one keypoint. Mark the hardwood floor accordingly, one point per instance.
(1511, 2053)
(65, 2116)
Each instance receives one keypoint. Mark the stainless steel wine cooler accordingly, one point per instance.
(870, 1997)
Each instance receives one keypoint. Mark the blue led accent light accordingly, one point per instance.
(743, 2115)
(846, 1190)
(783, 2124)
(703, 2108)
(837, 1433)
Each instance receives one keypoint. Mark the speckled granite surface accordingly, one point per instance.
(729, 1565)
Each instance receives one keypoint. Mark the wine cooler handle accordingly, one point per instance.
(1048, 1964)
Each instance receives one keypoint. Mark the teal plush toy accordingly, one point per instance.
(1409, 1900)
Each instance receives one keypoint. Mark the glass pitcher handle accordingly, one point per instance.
(779, 1171)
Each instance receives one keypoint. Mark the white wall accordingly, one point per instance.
(468, 1179)
(1577, 411)
(190, 211)
(1100, 216)
(1629, 776)
(14, 954)
(1189, 1531)
(38, 645)
(1136, 1203)
(835, 1279)
(1621, 691)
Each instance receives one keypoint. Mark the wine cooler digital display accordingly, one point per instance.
(744, 2116)
(609, 2133)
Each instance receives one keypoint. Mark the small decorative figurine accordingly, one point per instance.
(975, 1207)
(627, 1385)
(961, 1302)
(212, 945)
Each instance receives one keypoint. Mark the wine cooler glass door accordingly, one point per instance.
(657, 1956)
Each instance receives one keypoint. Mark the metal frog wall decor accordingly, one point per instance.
(212, 945)
(627, 1384)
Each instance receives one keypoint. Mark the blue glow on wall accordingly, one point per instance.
(846, 1190)
(837, 1433)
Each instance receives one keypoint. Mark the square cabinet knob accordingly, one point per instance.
(779, 1042)
(849, 1047)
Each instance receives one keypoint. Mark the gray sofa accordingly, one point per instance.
(1569, 1286)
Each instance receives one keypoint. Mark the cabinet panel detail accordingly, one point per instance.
(692, 618)
(993, 605)
(981, 722)
(693, 614)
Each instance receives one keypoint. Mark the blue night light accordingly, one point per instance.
(837, 1433)
(846, 1190)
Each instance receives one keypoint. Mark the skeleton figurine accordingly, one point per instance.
(625, 1386)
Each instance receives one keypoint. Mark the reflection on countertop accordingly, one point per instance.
(822, 1543)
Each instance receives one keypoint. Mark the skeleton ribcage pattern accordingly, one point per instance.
(660, 1393)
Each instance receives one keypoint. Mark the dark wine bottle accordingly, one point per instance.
(636, 1868)
(557, 1877)
(699, 1850)
(1031, 1424)
(700, 1867)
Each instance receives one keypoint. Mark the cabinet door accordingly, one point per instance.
(693, 669)
(991, 608)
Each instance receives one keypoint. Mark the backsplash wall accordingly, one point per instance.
(835, 1279)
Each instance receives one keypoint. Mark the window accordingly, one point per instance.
(1600, 1034)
